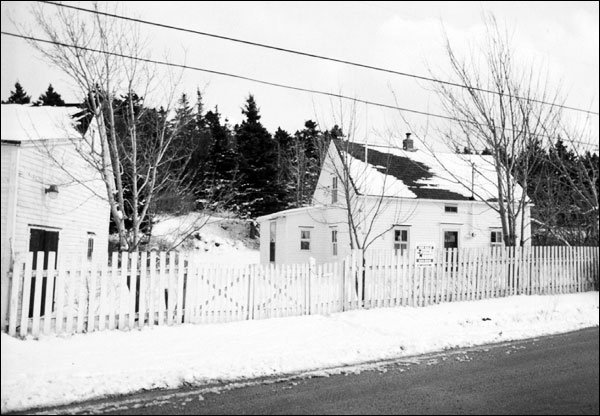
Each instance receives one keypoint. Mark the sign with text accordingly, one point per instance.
(424, 255)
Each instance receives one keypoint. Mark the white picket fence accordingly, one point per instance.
(145, 289)
(471, 274)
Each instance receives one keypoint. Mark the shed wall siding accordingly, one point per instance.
(10, 157)
(75, 211)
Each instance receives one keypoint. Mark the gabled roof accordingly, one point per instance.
(24, 123)
(394, 172)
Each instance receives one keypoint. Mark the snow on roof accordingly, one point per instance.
(22, 123)
(369, 180)
(420, 174)
(291, 211)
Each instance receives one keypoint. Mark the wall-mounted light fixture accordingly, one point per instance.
(52, 190)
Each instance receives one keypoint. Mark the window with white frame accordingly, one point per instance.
(304, 239)
(401, 240)
(451, 208)
(334, 190)
(334, 241)
(496, 238)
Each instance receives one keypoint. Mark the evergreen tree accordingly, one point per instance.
(18, 96)
(307, 150)
(259, 192)
(284, 166)
(221, 172)
(204, 139)
(183, 127)
(50, 97)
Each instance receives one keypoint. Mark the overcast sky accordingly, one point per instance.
(404, 36)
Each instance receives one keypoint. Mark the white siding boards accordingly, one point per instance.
(420, 206)
(51, 199)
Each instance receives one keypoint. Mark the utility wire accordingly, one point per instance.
(274, 84)
(312, 55)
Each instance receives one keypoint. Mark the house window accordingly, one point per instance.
(334, 242)
(401, 241)
(451, 208)
(304, 239)
(90, 245)
(334, 190)
(496, 238)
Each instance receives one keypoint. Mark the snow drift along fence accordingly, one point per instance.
(145, 289)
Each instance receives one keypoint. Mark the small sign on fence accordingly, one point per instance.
(424, 255)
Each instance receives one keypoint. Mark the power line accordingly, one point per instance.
(274, 84)
(312, 55)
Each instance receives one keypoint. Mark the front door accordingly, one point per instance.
(272, 237)
(451, 242)
(450, 239)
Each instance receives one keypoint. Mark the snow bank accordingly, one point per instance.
(55, 370)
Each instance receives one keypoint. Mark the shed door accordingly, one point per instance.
(46, 241)
(43, 240)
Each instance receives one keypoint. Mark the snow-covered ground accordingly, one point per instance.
(216, 239)
(57, 370)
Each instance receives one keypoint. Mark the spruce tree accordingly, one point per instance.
(284, 165)
(184, 122)
(221, 171)
(18, 96)
(50, 98)
(259, 191)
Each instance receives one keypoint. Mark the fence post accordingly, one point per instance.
(344, 273)
(49, 292)
(122, 288)
(143, 289)
(37, 294)
(14, 295)
(249, 294)
(26, 295)
(362, 275)
(91, 316)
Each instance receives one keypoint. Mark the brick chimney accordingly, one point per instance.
(407, 144)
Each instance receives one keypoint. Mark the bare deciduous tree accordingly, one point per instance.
(136, 149)
(371, 204)
(502, 109)
(581, 173)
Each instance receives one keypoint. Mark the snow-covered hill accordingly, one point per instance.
(217, 239)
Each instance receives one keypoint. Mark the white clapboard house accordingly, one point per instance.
(52, 199)
(397, 198)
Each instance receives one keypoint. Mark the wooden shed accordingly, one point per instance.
(52, 199)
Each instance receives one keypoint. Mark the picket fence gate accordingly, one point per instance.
(145, 289)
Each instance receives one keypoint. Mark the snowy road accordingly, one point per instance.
(546, 375)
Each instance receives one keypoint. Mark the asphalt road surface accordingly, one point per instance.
(547, 375)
